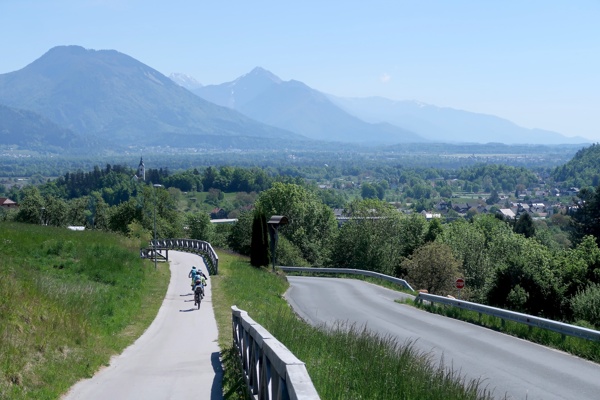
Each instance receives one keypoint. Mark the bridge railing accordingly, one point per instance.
(270, 370)
(560, 327)
(191, 245)
(350, 271)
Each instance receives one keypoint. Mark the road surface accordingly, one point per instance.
(176, 358)
(506, 365)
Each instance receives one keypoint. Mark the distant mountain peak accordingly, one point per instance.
(294, 106)
(67, 48)
(186, 81)
(75, 50)
(236, 93)
(111, 97)
(261, 74)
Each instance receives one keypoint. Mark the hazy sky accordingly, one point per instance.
(536, 63)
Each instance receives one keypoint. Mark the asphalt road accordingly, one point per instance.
(176, 358)
(506, 365)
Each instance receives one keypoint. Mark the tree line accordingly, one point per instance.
(504, 264)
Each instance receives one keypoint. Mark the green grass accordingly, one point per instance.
(69, 301)
(195, 202)
(345, 362)
(583, 348)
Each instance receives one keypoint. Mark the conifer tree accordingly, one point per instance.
(587, 217)
(259, 247)
(525, 226)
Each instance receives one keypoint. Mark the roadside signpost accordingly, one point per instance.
(460, 284)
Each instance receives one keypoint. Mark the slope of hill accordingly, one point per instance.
(28, 130)
(448, 125)
(294, 106)
(583, 169)
(114, 97)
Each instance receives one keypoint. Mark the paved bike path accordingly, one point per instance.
(176, 358)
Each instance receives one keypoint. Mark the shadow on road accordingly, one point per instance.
(216, 391)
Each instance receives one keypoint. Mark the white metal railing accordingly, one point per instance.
(348, 271)
(560, 327)
(271, 371)
(193, 245)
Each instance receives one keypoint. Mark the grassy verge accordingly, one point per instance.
(69, 301)
(583, 348)
(344, 363)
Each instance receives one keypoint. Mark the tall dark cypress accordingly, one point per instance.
(259, 246)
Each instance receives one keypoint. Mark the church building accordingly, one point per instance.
(141, 171)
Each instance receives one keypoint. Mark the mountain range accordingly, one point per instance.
(75, 98)
(449, 125)
(296, 107)
(117, 100)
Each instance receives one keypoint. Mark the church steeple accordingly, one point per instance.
(141, 171)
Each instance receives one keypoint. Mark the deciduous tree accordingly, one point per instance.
(311, 224)
(370, 239)
(32, 207)
(468, 245)
(240, 237)
(433, 267)
(199, 226)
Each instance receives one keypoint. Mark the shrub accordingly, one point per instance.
(288, 254)
(586, 305)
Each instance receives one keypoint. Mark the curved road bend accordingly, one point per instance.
(505, 364)
(176, 358)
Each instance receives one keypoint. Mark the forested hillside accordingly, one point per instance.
(27, 130)
(583, 170)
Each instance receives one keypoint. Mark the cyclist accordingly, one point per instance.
(192, 274)
(200, 282)
(202, 275)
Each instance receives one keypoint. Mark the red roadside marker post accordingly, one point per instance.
(460, 284)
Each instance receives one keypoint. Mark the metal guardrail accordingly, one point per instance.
(560, 327)
(191, 245)
(348, 271)
(271, 371)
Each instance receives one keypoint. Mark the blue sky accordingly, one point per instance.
(536, 63)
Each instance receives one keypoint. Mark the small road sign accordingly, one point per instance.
(460, 283)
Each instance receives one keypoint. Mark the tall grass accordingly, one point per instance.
(68, 301)
(344, 362)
